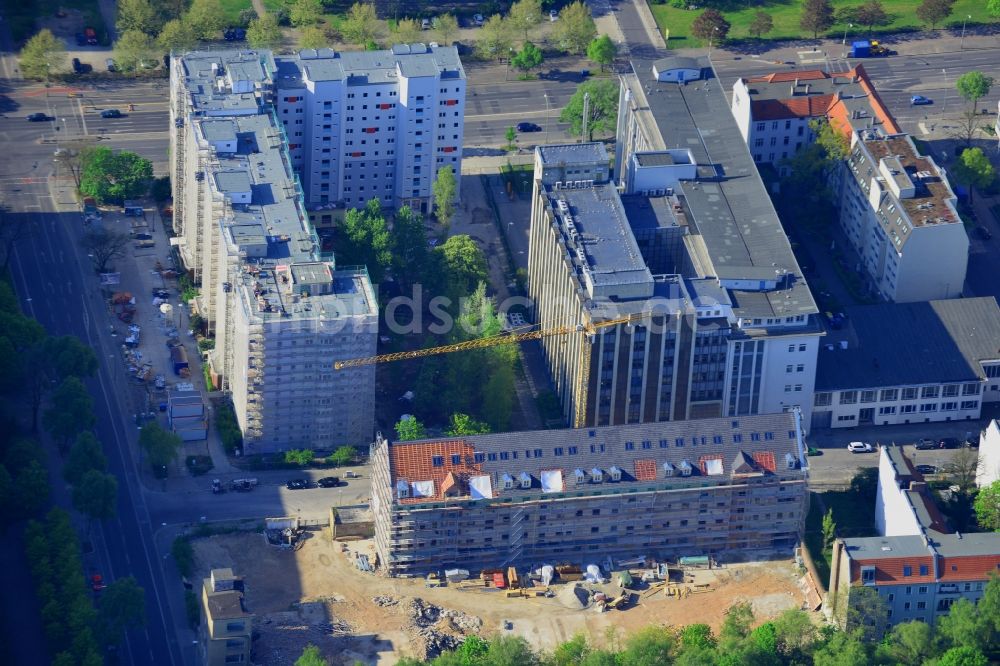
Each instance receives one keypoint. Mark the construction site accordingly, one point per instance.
(316, 592)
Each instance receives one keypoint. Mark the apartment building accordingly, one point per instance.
(919, 566)
(225, 631)
(720, 321)
(897, 363)
(280, 308)
(773, 112)
(371, 124)
(725, 487)
(896, 207)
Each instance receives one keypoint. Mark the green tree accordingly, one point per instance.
(264, 32)
(736, 626)
(94, 496)
(84, 456)
(344, 455)
(761, 24)
(31, 489)
(462, 266)
(864, 484)
(299, 456)
(575, 28)
(964, 626)
(510, 134)
(445, 189)
(711, 26)
(910, 644)
(494, 40)
(829, 529)
(245, 16)
(409, 429)
(206, 18)
(796, 634)
(843, 649)
(408, 31)
(963, 655)
(696, 636)
(311, 656)
(871, 14)
(132, 49)
(602, 108)
(817, 16)
(504, 650)
(974, 170)
(933, 12)
(137, 15)
(313, 37)
(105, 246)
(71, 411)
(366, 239)
(409, 246)
(463, 424)
(183, 553)
(993, 7)
(160, 446)
(111, 176)
(177, 35)
(446, 28)
(987, 507)
(528, 58)
(649, 646)
(973, 86)
(305, 12)
(602, 51)
(42, 56)
(123, 606)
(571, 652)
(360, 25)
(866, 615)
(524, 16)
(764, 639)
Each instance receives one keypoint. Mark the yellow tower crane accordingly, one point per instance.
(582, 377)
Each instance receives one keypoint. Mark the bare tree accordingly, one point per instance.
(962, 468)
(13, 228)
(105, 246)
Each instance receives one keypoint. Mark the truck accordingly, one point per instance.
(179, 357)
(869, 49)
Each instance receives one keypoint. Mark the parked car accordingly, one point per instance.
(478, 20)
(925, 445)
(972, 441)
(927, 469)
(37, 117)
(111, 113)
(425, 24)
(860, 447)
(920, 100)
(984, 233)
(328, 482)
(528, 127)
(813, 451)
(297, 484)
(949, 443)
(217, 487)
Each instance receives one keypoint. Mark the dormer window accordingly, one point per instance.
(685, 468)
(402, 489)
(507, 481)
(668, 469)
(790, 461)
(615, 474)
(524, 480)
(596, 475)
(581, 476)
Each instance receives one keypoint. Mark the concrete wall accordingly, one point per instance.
(933, 264)
(894, 515)
(989, 455)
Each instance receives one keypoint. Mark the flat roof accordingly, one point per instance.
(570, 152)
(727, 205)
(369, 67)
(894, 344)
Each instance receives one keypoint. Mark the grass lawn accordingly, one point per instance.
(786, 15)
(855, 517)
(231, 8)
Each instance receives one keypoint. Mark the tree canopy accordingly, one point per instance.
(933, 12)
(987, 507)
(263, 32)
(137, 15)
(761, 24)
(524, 17)
(602, 51)
(305, 12)
(95, 494)
(133, 49)
(43, 55)
(361, 24)
(112, 176)
(529, 57)
(71, 411)
(445, 189)
(365, 239)
(409, 429)
(575, 28)
(711, 26)
(494, 40)
(602, 108)
(160, 446)
(817, 16)
(973, 169)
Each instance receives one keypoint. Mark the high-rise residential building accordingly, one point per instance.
(281, 310)
(683, 242)
(896, 207)
(728, 488)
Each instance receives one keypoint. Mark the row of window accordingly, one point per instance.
(825, 398)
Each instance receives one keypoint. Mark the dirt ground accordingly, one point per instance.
(315, 595)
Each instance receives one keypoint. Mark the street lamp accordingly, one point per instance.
(715, 29)
(944, 107)
(510, 54)
(961, 44)
(547, 119)
(844, 40)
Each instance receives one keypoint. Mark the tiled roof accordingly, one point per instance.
(796, 107)
(639, 451)
(890, 569)
(783, 77)
(973, 567)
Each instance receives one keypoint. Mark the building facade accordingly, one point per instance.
(728, 488)
(717, 319)
(226, 628)
(280, 308)
(919, 566)
(988, 470)
(949, 369)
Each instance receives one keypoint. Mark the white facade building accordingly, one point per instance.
(989, 455)
(909, 363)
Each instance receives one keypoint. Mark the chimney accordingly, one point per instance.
(792, 91)
(918, 486)
(808, 86)
(796, 83)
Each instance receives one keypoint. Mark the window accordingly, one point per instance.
(910, 393)
(970, 404)
(929, 392)
(949, 406)
(480, 457)
(557, 451)
(822, 399)
(907, 409)
(867, 575)
(438, 461)
(630, 446)
(802, 348)
(868, 396)
(235, 626)
(928, 407)
(572, 450)
(921, 605)
(887, 411)
(848, 397)
(907, 571)
(737, 438)
(889, 395)
(923, 572)
(970, 389)
(949, 391)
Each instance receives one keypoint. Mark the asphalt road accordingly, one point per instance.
(55, 286)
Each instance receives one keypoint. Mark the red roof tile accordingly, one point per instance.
(645, 470)
(890, 569)
(971, 567)
(781, 77)
(812, 106)
(765, 459)
(704, 459)
(415, 462)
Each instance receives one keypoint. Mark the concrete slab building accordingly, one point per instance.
(730, 488)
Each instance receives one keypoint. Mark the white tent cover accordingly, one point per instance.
(423, 488)
(552, 481)
(480, 487)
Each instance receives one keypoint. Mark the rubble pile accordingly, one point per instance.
(431, 643)
(422, 614)
(462, 621)
(384, 601)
